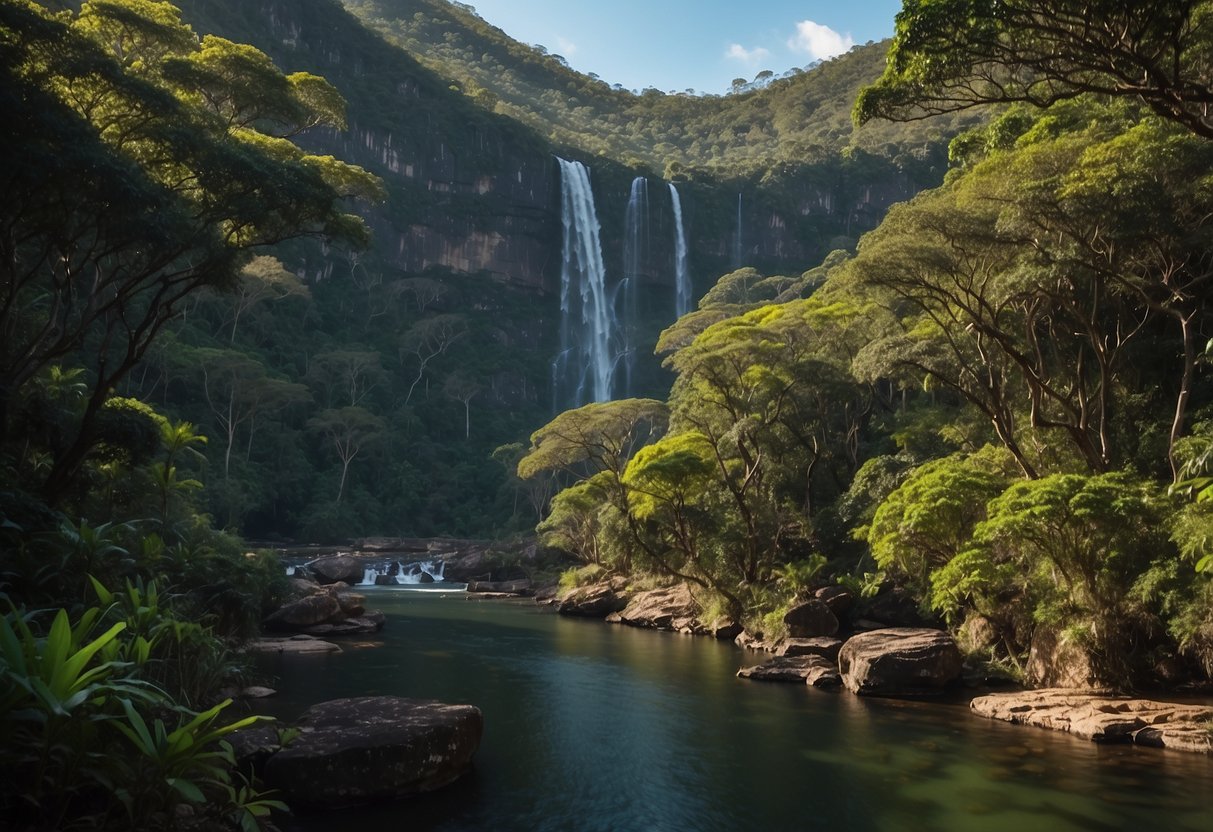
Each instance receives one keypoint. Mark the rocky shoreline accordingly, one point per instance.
(889, 652)
(886, 652)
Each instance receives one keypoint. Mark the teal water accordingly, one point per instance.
(596, 727)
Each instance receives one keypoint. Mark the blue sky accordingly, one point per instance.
(699, 44)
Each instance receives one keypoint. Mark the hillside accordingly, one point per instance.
(771, 123)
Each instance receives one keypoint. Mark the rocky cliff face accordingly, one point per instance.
(475, 193)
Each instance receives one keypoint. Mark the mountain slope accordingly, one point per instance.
(801, 118)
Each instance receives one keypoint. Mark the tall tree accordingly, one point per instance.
(350, 430)
(950, 55)
(133, 181)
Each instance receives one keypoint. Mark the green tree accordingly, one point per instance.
(929, 519)
(130, 187)
(350, 430)
(949, 55)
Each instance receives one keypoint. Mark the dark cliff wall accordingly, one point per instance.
(471, 192)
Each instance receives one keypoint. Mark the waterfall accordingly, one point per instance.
(682, 280)
(587, 322)
(737, 239)
(635, 255)
(397, 572)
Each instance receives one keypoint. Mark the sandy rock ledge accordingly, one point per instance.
(1102, 717)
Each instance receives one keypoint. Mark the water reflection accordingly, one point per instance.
(594, 727)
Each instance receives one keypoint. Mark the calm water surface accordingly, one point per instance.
(597, 727)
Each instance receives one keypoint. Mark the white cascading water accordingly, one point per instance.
(635, 254)
(682, 278)
(404, 573)
(584, 370)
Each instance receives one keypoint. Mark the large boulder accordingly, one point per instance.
(596, 600)
(331, 610)
(352, 604)
(336, 568)
(374, 748)
(671, 608)
(305, 612)
(810, 620)
(300, 586)
(900, 662)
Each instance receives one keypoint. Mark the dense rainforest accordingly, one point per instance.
(353, 392)
(279, 273)
(998, 401)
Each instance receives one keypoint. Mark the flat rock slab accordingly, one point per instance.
(1101, 717)
(374, 748)
(295, 644)
(900, 661)
(805, 670)
(822, 646)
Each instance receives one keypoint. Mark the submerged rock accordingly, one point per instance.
(900, 662)
(374, 748)
(1101, 717)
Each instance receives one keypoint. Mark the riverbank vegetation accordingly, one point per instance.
(1000, 401)
(143, 166)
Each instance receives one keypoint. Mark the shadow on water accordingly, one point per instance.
(593, 727)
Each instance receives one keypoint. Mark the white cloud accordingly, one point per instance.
(819, 41)
(566, 46)
(738, 52)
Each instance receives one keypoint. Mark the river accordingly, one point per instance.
(593, 727)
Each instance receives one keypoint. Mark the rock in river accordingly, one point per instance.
(374, 748)
(1102, 717)
(807, 669)
(306, 612)
(336, 568)
(900, 662)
